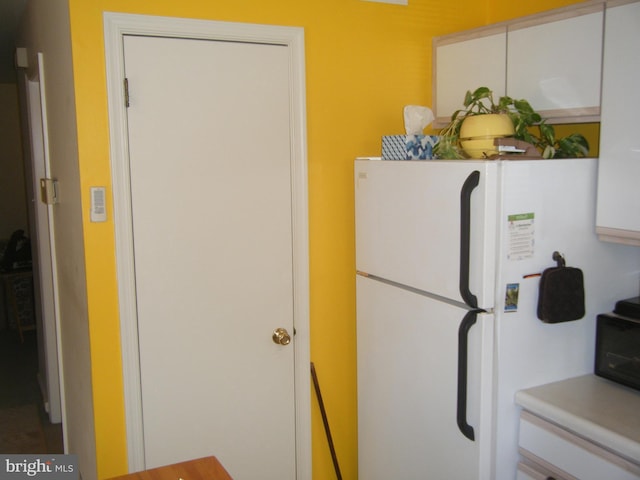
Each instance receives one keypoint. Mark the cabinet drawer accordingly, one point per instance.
(548, 444)
(528, 471)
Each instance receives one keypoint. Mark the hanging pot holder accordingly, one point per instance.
(561, 294)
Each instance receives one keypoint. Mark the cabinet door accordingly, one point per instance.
(466, 62)
(556, 64)
(618, 214)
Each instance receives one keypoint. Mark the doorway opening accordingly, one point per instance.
(30, 371)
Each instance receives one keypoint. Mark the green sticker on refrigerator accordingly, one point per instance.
(521, 236)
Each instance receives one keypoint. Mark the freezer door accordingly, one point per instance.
(408, 392)
(410, 225)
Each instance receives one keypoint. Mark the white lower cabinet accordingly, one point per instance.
(551, 452)
(533, 471)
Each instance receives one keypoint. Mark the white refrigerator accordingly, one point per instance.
(448, 257)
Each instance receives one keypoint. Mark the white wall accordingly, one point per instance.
(46, 29)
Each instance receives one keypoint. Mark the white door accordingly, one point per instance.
(211, 205)
(42, 228)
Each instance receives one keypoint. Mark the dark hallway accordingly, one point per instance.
(24, 424)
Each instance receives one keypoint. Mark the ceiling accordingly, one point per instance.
(10, 13)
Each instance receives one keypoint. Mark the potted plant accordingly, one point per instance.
(528, 126)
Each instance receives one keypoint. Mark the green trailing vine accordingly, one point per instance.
(528, 124)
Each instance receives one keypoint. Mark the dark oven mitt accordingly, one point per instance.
(561, 294)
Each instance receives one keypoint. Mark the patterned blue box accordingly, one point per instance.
(408, 147)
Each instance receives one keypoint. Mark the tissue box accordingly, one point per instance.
(408, 147)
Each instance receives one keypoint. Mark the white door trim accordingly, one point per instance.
(116, 25)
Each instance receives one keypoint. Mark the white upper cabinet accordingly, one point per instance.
(552, 59)
(556, 64)
(466, 64)
(618, 212)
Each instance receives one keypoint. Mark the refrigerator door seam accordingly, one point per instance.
(417, 291)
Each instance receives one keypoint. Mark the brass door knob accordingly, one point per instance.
(281, 336)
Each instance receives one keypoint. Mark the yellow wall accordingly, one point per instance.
(364, 62)
(500, 10)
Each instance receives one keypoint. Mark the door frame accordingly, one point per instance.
(116, 25)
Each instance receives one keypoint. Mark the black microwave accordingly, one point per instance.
(617, 355)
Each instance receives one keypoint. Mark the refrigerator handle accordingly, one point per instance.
(469, 185)
(461, 412)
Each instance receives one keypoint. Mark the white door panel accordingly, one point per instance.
(407, 387)
(42, 228)
(211, 205)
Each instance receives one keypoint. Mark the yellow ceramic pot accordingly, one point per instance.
(478, 132)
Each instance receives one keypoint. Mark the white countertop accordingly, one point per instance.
(592, 407)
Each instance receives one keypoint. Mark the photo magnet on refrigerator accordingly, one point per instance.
(511, 297)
